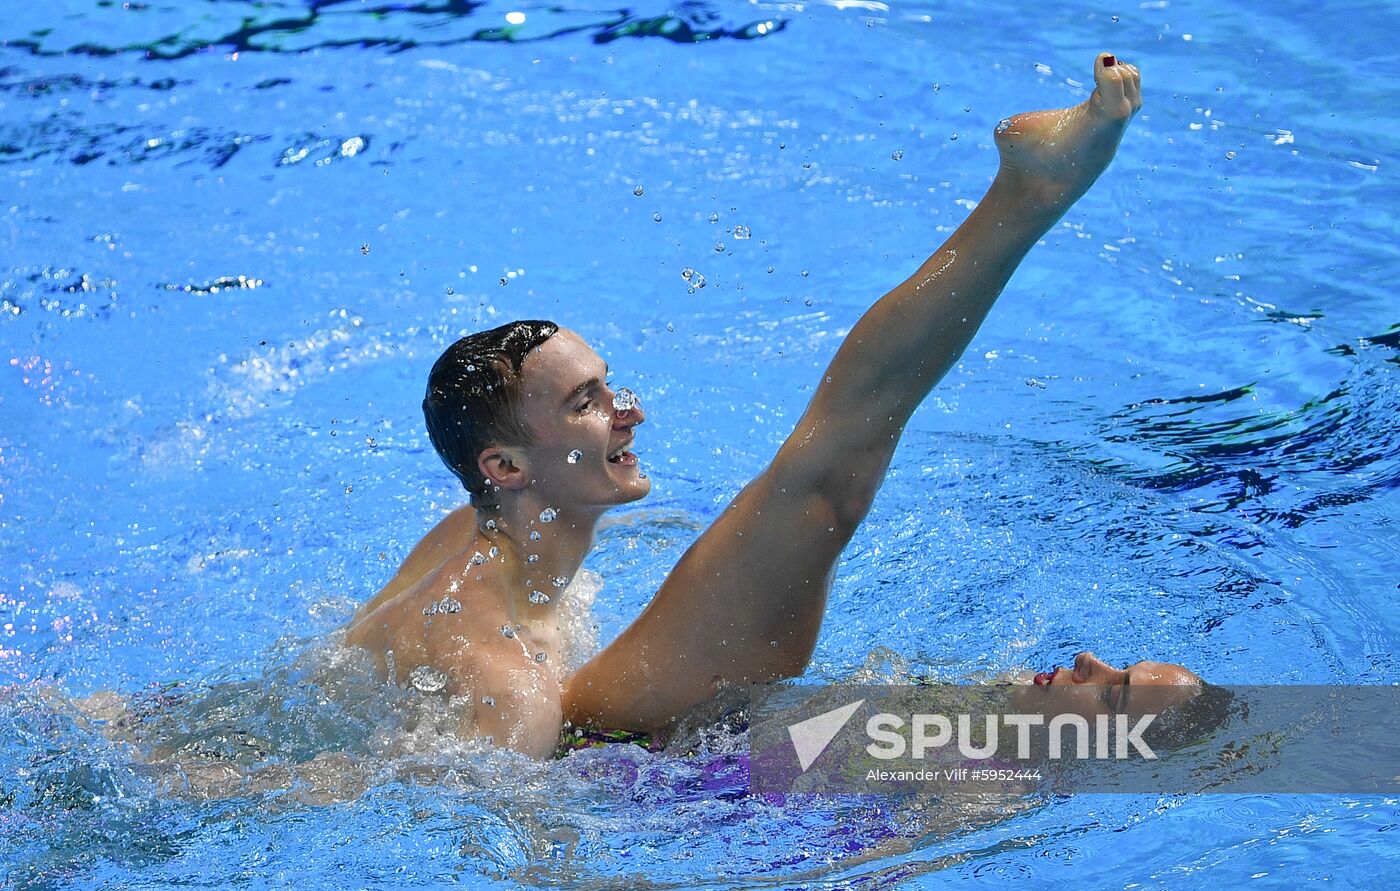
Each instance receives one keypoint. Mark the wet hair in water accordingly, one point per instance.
(473, 399)
(1196, 719)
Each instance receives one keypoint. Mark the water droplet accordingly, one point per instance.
(719, 247)
(807, 165)
(1003, 125)
(639, 191)
(471, 368)
(770, 269)
(503, 281)
(539, 597)
(670, 327)
(575, 456)
(535, 535)
(623, 400)
(656, 217)
(541, 658)
(967, 108)
(1114, 17)
(426, 679)
(494, 553)
(478, 558)
(507, 631)
(714, 218)
(807, 301)
(697, 282)
(687, 273)
(953, 138)
(490, 524)
(446, 606)
(805, 273)
(559, 581)
(488, 701)
(742, 232)
(448, 291)
(897, 154)
(548, 514)
(533, 558)
(1229, 156)
(364, 248)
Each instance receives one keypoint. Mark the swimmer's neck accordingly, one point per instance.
(539, 548)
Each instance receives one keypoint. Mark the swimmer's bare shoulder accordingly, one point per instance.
(453, 621)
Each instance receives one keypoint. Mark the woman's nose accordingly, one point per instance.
(1088, 667)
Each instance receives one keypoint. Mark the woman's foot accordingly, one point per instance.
(1052, 157)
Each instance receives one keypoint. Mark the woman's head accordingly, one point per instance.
(1092, 687)
(1186, 708)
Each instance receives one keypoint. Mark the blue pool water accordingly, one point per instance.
(236, 235)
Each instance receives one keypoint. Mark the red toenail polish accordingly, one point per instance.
(1109, 61)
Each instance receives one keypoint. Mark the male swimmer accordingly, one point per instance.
(525, 418)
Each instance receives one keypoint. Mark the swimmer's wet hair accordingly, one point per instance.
(473, 399)
(1196, 719)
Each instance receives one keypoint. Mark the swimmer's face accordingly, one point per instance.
(1093, 687)
(582, 456)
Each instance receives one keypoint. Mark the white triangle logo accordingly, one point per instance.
(811, 737)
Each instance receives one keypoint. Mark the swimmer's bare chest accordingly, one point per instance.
(495, 681)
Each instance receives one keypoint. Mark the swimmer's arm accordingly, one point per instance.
(444, 540)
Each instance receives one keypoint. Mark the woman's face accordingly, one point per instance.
(1093, 687)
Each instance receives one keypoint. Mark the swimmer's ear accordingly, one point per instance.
(503, 468)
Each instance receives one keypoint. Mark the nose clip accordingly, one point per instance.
(624, 400)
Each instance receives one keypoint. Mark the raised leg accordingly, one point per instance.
(746, 601)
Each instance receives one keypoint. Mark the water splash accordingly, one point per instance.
(427, 679)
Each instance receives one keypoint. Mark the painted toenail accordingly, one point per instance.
(1109, 61)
